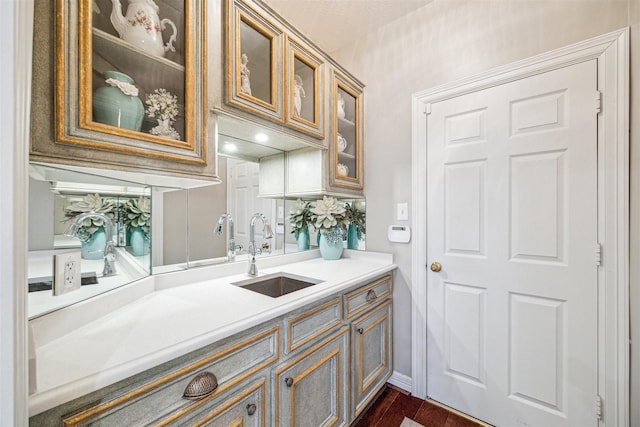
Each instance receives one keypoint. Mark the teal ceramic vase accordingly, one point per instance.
(331, 246)
(139, 242)
(118, 105)
(94, 247)
(352, 236)
(303, 239)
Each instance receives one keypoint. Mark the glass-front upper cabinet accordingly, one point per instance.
(129, 80)
(347, 142)
(304, 94)
(254, 65)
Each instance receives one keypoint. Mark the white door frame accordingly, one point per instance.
(612, 53)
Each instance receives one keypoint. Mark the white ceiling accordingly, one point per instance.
(332, 23)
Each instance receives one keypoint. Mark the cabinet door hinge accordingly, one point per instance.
(598, 101)
(598, 407)
(598, 257)
(427, 109)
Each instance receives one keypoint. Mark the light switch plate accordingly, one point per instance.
(402, 213)
(67, 272)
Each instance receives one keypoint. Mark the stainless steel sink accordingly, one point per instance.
(277, 284)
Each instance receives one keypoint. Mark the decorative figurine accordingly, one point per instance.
(245, 83)
(298, 94)
(340, 106)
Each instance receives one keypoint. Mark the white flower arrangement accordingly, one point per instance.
(330, 218)
(300, 216)
(90, 203)
(161, 104)
(137, 213)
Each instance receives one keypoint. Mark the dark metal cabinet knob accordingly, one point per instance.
(288, 381)
(251, 408)
(360, 331)
(371, 295)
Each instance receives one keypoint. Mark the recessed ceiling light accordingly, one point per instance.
(229, 147)
(261, 137)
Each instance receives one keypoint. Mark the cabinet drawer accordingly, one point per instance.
(368, 296)
(247, 406)
(304, 327)
(161, 401)
(372, 354)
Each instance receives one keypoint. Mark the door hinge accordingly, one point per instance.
(598, 407)
(598, 101)
(427, 109)
(598, 257)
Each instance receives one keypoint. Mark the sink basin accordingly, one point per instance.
(277, 284)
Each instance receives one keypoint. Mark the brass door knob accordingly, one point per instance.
(436, 267)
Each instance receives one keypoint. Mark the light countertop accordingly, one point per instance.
(90, 345)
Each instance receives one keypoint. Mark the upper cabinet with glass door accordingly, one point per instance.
(305, 89)
(347, 142)
(254, 66)
(272, 72)
(129, 85)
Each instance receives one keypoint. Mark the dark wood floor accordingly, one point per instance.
(392, 406)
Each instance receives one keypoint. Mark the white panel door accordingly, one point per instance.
(512, 219)
(243, 201)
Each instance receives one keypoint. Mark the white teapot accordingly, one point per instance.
(142, 27)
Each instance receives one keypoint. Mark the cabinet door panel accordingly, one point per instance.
(254, 63)
(372, 354)
(90, 100)
(312, 388)
(347, 141)
(305, 85)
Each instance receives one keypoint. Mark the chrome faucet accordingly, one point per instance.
(268, 234)
(232, 248)
(109, 248)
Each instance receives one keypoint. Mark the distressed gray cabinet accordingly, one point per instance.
(320, 364)
(94, 75)
(271, 72)
(370, 310)
(312, 388)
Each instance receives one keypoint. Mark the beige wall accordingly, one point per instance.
(439, 43)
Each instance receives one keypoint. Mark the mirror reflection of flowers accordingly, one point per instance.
(330, 219)
(162, 105)
(90, 203)
(137, 213)
(300, 217)
(356, 217)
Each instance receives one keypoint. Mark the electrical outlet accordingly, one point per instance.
(67, 274)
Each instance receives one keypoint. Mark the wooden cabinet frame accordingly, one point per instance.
(240, 14)
(296, 52)
(354, 179)
(75, 69)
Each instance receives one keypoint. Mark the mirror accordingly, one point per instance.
(250, 185)
(183, 217)
(56, 198)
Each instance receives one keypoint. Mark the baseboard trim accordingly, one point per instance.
(401, 381)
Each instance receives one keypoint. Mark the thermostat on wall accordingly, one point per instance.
(399, 233)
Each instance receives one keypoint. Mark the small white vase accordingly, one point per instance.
(165, 130)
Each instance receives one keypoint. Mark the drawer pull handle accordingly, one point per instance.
(200, 386)
(251, 408)
(360, 331)
(371, 295)
(288, 381)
